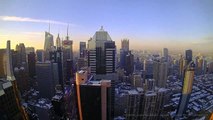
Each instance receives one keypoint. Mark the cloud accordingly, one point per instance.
(26, 19)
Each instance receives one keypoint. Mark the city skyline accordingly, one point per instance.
(153, 24)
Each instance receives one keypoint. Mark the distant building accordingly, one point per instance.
(100, 103)
(83, 50)
(40, 55)
(166, 54)
(58, 42)
(67, 49)
(21, 54)
(48, 44)
(31, 64)
(125, 44)
(148, 67)
(129, 63)
(47, 78)
(188, 56)
(160, 73)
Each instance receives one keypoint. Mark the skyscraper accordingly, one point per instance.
(187, 89)
(47, 78)
(101, 53)
(82, 51)
(166, 54)
(67, 50)
(48, 44)
(148, 67)
(160, 70)
(123, 52)
(58, 42)
(125, 44)
(21, 54)
(40, 55)
(188, 56)
(31, 64)
(10, 90)
(129, 63)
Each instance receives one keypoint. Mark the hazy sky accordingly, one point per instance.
(147, 23)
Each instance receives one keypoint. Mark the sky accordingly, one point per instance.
(148, 24)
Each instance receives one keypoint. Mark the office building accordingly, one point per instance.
(125, 44)
(148, 68)
(31, 64)
(101, 54)
(129, 63)
(67, 49)
(48, 44)
(134, 105)
(187, 89)
(47, 78)
(22, 78)
(124, 51)
(40, 55)
(83, 50)
(100, 103)
(160, 73)
(58, 42)
(165, 54)
(188, 56)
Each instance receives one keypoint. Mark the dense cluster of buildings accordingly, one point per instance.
(102, 83)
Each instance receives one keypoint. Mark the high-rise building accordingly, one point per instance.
(188, 56)
(40, 55)
(48, 44)
(148, 67)
(67, 49)
(100, 104)
(31, 64)
(129, 63)
(21, 54)
(145, 105)
(187, 89)
(101, 53)
(166, 54)
(21, 75)
(8, 103)
(123, 52)
(9, 95)
(58, 42)
(160, 73)
(134, 105)
(47, 78)
(125, 44)
(83, 50)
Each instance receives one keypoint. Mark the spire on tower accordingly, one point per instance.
(49, 26)
(67, 37)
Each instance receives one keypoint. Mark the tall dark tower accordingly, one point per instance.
(188, 56)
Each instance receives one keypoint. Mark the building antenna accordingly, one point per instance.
(67, 30)
(49, 26)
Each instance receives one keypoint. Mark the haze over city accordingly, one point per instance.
(148, 24)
